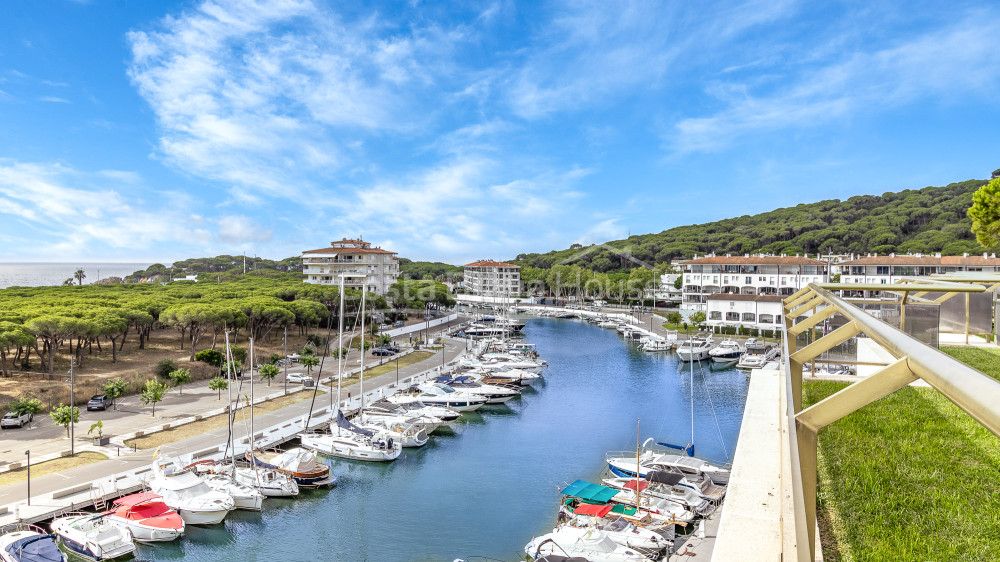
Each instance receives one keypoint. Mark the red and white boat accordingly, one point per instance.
(147, 517)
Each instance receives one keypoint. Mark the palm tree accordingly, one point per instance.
(79, 275)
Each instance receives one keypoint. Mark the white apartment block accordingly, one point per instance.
(746, 275)
(891, 268)
(492, 279)
(373, 269)
(665, 290)
(750, 311)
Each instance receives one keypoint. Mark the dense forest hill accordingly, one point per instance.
(426, 269)
(932, 219)
(227, 268)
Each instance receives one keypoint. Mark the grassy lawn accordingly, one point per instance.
(986, 359)
(405, 361)
(173, 435)
(48, 467)
(909, 477)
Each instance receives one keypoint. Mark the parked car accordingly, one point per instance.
(14, 420)
(383, 352)
(99, 402)
(398, 324)
(297, 378)
(383, 327)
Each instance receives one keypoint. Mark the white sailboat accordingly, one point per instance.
(345, 439)
(591, 544)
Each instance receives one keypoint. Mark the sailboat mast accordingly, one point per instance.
(691, 385)
(229, 398)
(340, 349)
(361, 411)
(251, 395)
(638, 490)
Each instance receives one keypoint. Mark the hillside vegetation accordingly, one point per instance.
(932, 219)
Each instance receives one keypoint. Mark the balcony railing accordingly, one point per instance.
(974, 392)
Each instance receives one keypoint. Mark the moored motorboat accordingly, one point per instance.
(591, 544)
(147, 517)
(623, 463)
(728, 351)
(695, 348)
(30, 545)
(757, 355)
(439, 395)
(93, 536)
(188, 494)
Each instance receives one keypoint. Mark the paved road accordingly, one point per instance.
(42, 437)
(52, 482)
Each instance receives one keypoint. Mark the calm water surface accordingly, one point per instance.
(43, 274)
(489, 486)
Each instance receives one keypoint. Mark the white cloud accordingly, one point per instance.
(268, 96)
(241, 231)
(594, 51)
(53, 99)
(956, 61)
(80, 213)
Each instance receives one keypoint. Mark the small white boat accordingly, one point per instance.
(665, 485)
(408, 433)
(271, 482)
(30, 545)
(695, 348)
(94, 537)
(246, 497)
(188, 494)
(728, 351)
(653, 345)
(147, 518)
(757, 355)
(623, 463)
(591, 544)
(618, 529)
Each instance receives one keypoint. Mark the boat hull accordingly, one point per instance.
(202, 517)
(147, 533)
(352, 451)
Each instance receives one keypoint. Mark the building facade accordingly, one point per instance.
(749, 311)
(492, 279)
(891, 268)
(746, 275)
(373, 269)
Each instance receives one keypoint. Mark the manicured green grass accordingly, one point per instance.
(909, 477)
(986, 359)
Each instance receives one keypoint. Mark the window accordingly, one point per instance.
(765, 319)
(749, 280)
(715, 315)
(733, 316)
(749, 317)
(882, 270)
(903, 270)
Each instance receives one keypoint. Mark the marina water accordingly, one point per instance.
(489, 486)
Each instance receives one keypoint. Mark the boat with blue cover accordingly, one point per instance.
(30, 545)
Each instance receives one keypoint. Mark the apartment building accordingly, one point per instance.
(492, 278)
(373, 269)
(746, 275)
(749, 311)
(891, 268)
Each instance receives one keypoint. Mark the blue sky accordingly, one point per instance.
(137, 130)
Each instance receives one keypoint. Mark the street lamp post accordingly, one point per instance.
(72, 404)
(28, 466)
(285, 358)
(397, 370)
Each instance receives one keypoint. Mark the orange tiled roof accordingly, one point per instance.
(349, 251)
(755, 260)
(487, 263)
(924, 260)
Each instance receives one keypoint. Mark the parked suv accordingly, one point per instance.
(99, 402)
(14, 420)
